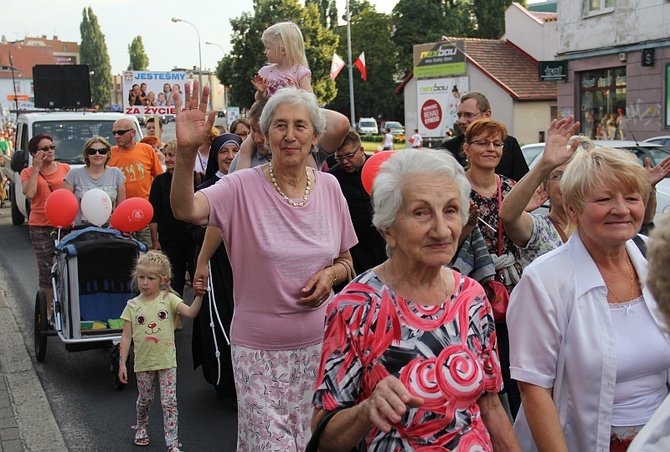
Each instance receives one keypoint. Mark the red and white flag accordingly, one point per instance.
(336, 66)
(360, 64)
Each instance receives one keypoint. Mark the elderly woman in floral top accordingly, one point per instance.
(409, 358)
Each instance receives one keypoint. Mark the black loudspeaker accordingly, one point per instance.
(62, 86)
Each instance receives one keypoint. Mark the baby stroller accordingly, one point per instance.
(92, 282)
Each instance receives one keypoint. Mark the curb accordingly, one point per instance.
(26, 420)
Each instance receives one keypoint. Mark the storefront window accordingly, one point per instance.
(603, 103)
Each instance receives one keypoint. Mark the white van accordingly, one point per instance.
(367, 126)
(70, 130)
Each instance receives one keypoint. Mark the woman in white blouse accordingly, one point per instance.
(585, 343)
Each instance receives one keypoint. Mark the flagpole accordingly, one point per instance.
(351, 69)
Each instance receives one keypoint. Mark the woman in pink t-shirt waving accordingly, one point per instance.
(287, 230)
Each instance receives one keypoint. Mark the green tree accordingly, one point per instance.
(93, 52)
(238, 67)
(370, 33)
(139, 61)
(327, 11)
(490, 15)
(416, 22)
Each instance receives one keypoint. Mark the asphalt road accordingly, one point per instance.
(91, 414)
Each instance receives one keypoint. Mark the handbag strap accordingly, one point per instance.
(640, 244)
(500, 232)
(45, 180)
(313, 444)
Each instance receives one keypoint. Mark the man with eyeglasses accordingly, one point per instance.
(254, 150)
(139, 163)
(473, 106)
(350, 157)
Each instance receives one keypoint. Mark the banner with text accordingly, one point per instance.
(437, 101)
(438, 59)
(151, 93)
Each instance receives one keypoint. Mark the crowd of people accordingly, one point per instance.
(437, 311)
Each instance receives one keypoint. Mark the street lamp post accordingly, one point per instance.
(217, 45)
(225, 92)
(175, 20)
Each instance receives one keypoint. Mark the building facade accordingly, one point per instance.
(618, 59)
(506, 70)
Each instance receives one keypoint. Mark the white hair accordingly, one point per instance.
(294, 97)
(387, 189)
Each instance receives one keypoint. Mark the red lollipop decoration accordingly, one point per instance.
(61, 208)
(371, 168)
(132, 215)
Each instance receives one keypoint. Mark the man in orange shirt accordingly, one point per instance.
(139, 163)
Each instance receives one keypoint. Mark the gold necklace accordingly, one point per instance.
(632, 281)
(283, 195)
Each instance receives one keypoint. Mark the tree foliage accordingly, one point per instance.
(370, 33)
(490, 15)
(327, 12)
(238, 68)
(422, 21)
(93, 52)
(139, 61)
(387, 40)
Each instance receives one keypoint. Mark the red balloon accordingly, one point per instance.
(61, 208)
(132, 215)
(371, 168)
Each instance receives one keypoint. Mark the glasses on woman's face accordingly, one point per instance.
(101, 151)
(51, 147)
(487, 143)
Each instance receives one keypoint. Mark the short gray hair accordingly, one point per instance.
(294, 97)
(387, 190)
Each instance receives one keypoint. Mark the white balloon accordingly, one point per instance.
(96, 206)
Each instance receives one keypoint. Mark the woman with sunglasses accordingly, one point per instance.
(44, 176)
(96, 174)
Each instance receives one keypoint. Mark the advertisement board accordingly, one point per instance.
(150, 93)
(232, 113)
(439, 59)
(553, 71)
(437, 102)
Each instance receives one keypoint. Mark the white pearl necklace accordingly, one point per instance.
(283, 195)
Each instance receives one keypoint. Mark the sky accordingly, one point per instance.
(166, 43)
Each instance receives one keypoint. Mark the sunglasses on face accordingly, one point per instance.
(51, 147)
(121, 132)
(101, 151)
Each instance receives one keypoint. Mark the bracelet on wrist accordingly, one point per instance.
(653, 191)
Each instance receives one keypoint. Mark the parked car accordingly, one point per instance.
(530, 151)
(70, 130)
(367, 126)
(662, 140)
(656, 154)
(395, 126)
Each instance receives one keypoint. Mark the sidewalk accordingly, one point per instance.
(26, 420)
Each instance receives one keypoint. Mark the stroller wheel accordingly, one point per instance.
(41, 325)
(114, 369)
